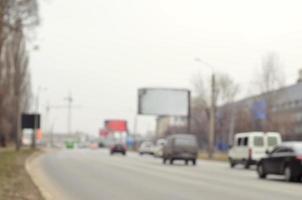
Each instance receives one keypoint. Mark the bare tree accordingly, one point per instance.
(271, 76)
(243, 120)
(200, 104)
(17, 18)
(268, 81)
(13, 12)
(226, 89)
(225, 93)
(16, 85)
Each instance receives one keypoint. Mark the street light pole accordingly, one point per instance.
(211, 136)
(212, 118)
(69, 100)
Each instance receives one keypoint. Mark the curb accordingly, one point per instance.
(45, 194)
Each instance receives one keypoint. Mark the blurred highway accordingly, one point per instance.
(94, 174)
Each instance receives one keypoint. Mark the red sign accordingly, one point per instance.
(39, 134)
(116, 125)
(104, 133)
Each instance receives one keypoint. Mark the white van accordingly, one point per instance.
(250, 147)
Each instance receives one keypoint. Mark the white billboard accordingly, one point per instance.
(163, 102)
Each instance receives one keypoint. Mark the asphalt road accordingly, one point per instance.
(94, 174)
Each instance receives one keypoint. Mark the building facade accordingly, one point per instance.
(279, 110)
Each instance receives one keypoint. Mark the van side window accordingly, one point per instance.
(258, 141)
(238, 141)
(272, 141)
(245, 141)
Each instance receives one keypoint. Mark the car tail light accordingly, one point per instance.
(250, 153)
(299, 157)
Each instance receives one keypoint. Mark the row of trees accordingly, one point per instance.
(17, 19)
(269, 83)
(236, 116)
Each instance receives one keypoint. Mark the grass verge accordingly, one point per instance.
(217, 156)
(15, 183)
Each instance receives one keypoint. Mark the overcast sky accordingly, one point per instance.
(103, 50)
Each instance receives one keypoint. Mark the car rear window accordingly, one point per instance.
(258, 141)
(272, 141)
(299, 149)
(185, 141)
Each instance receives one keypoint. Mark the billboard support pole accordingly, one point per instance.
(189, 113)
(157, 133)
(135, 125)
(33, 139)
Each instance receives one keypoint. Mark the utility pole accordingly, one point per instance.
(47, 129)
(212, 117)
(69, 107)
(69, 100)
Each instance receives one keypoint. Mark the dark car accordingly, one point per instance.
(118, 148)
(180, 147)
(285, 159)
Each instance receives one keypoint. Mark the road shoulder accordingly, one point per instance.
(34, 168)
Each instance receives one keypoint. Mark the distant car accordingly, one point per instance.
(69, 144)
(101, 145)
(93, 145)
(118, 148)
(181, 147)
(250, 147)
(146, 148)
(285, 159)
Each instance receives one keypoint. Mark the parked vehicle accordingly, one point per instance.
(181, 147)
(118, 148)
(285, 159)
(146, 148)
(158, 148)
(250, 147)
